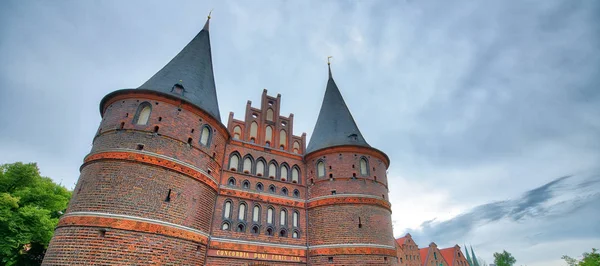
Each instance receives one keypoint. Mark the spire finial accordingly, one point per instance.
(329, 65)
(207, 20)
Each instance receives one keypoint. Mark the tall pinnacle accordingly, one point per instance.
(335, 125)
(475, 262)
(189, 75)
(468, 256)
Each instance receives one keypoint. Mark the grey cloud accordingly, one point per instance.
(561, 209)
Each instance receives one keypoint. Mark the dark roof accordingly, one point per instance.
(192, 69)
(335, 125)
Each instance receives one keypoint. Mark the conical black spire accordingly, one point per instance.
(189, 75)
(335, 125)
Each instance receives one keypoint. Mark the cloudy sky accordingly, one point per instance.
(489, 110)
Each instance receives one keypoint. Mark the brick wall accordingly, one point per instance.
(85, 246)
(352, 260)
(131, 188)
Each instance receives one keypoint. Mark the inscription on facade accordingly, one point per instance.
(254, 255)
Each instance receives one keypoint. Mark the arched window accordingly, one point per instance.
(283, 233)
(364, 166)
(234, 160)
(282, 139)
(246, 184)
(295, 175)
(237, 132)
(268, 134)
(295, 234)
(272, 189)
(241, 228)
(205, 135)
(270, 215)
(260, 168)
(284, 172)
(227, 210)
(284, 191)
(247, 165)
(253, 130)
(295, 217)
(272, 170)
(259, 187)
(255, 229)
(242, 212)
(225, 226)
(283, 217)
(320, 169)
(269, 231)
(256, 214)
(143, 114)
(270, 114)
(231, 181)
(296, 193)
(296, 147)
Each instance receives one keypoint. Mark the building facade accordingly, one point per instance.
(167, 183)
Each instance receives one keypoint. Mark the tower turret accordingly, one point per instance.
(147, 190)
(348, 211)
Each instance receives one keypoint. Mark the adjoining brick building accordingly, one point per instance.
(167, 183)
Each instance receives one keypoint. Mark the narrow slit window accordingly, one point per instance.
(205, 135)
(247, 165)
(227, 210)
(242, 212)
(256, 214)
(295, 175)
(283, 139)
(272, 170)
(237, 132)
(260, 168)
(268, 134)
(233, 162)
(321, 169)
(283, 218)
(284, 172)
(295, 219)
(363, 167)
(144, 113)
(253, 130)
(168, 198)
(270, 215)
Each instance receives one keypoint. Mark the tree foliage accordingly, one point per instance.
(30, 206)
(504, 259)
(589, 259)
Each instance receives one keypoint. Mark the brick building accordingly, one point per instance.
(167, 183)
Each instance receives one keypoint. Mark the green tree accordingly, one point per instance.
(30, 206)
(589, 259)
(504, 259)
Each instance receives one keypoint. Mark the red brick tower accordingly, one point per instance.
(147, 190)
(349, 215)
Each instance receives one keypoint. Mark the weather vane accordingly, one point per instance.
(329, 62)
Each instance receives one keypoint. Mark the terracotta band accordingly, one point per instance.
(257, 247)
(352, 251)
(340, 199)
(133, 225)
(147, 158)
